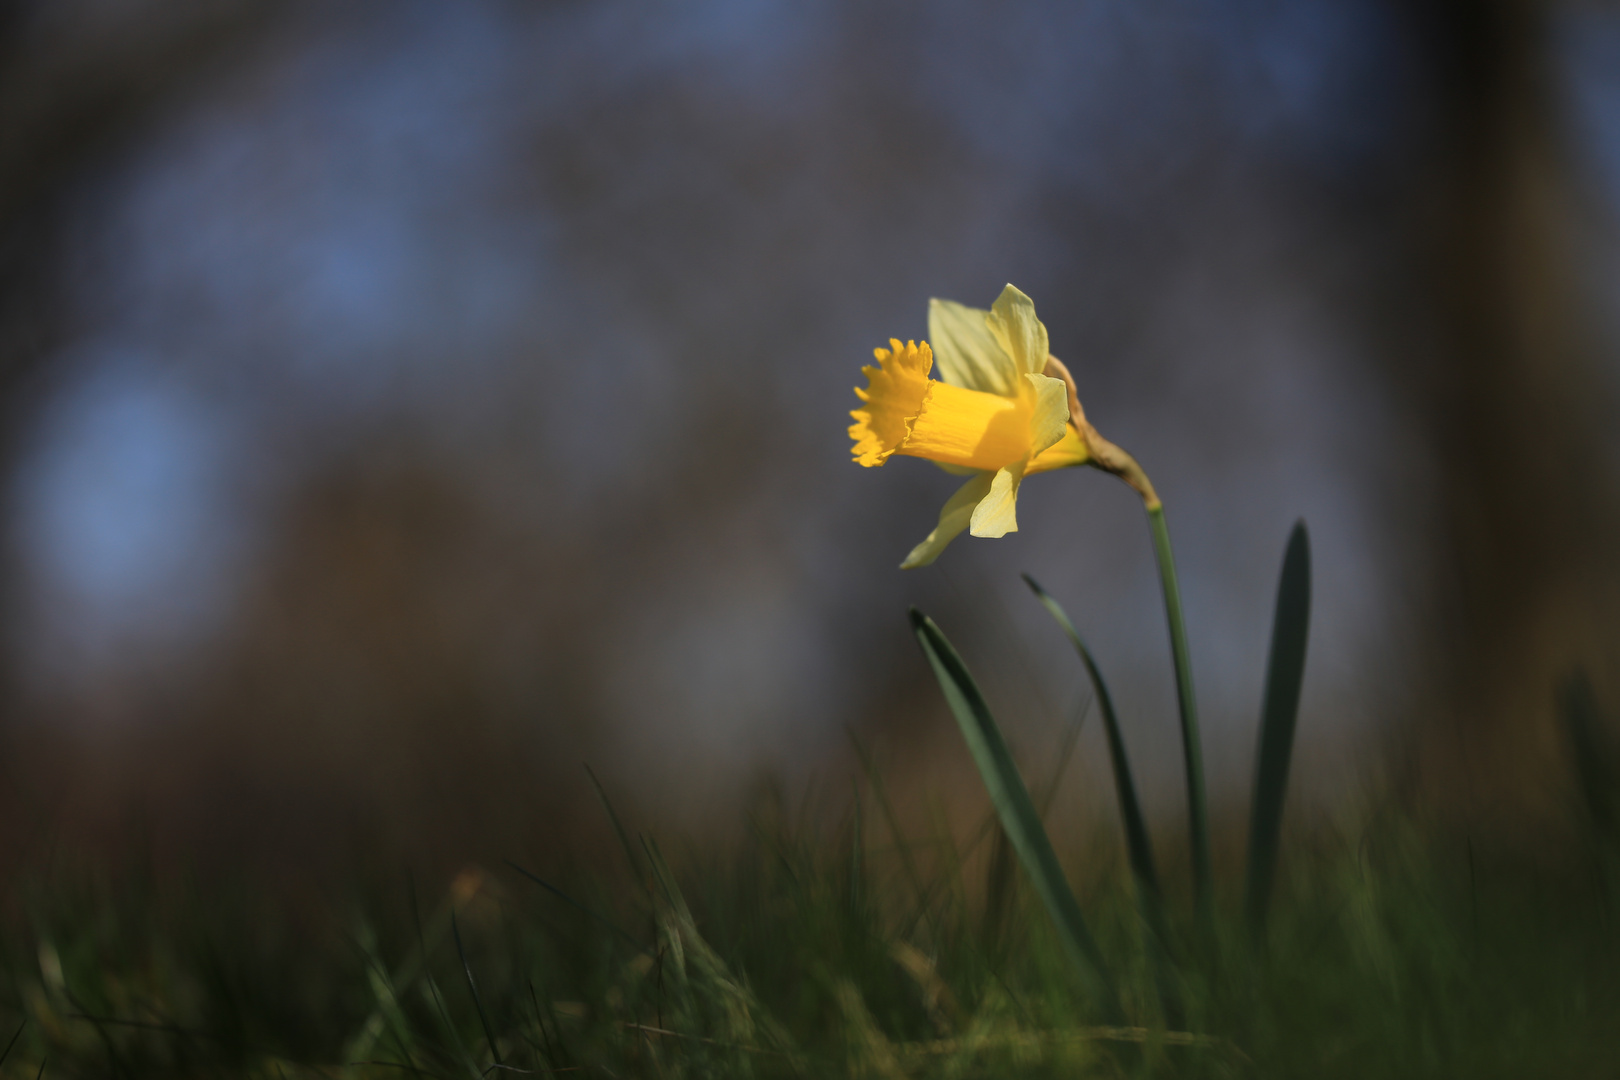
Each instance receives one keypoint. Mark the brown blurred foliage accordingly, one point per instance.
(631, 508)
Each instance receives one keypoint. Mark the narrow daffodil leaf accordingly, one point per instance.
(1285, 674)
(1137, 843)
(1014, 807)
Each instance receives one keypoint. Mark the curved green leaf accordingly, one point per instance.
(1013, 805)
(1285, 674)
(1137, 843)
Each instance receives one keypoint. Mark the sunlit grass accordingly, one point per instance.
(844, 944)
(811, 952)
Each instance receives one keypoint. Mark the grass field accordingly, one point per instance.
(831, 951)
(843, 944)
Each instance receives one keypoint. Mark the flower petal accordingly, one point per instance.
(955, 517)
(1066, 452)
(1049, 418)
(995, 515)
(1013, 324)
(965, 351)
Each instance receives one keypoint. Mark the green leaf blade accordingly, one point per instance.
(1192, 747)
(1138, 845)
(1015, 808)
(1279, 714)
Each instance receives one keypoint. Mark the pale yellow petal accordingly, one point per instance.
(955, 517)
(1049, 418)
(966, 353)
(1068, 451)
(996, 513)
(1020, 334)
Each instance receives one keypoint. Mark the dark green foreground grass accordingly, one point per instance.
(1389, 955)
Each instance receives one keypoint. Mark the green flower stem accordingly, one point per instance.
(1197, 817)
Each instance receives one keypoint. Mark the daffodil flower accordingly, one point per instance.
(1002, 409)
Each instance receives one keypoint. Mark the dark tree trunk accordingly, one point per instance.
(1509, 391)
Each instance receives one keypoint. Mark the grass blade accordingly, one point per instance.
(857, 857)
(15, 1036)
(472, 987)
(619, 831)
(1013, 804)
(1594, 770)
(1047, 793)
(897, 836)
(430, 987)
(581, 908)
(1285, 673)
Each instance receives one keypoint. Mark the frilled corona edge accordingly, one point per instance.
(893, 400)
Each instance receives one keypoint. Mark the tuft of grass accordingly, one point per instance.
(766, 962)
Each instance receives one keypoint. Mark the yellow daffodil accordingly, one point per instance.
(1002, 409)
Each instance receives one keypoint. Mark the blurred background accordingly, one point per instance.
(402, 404)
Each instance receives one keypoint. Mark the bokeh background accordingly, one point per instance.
(402, 404)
